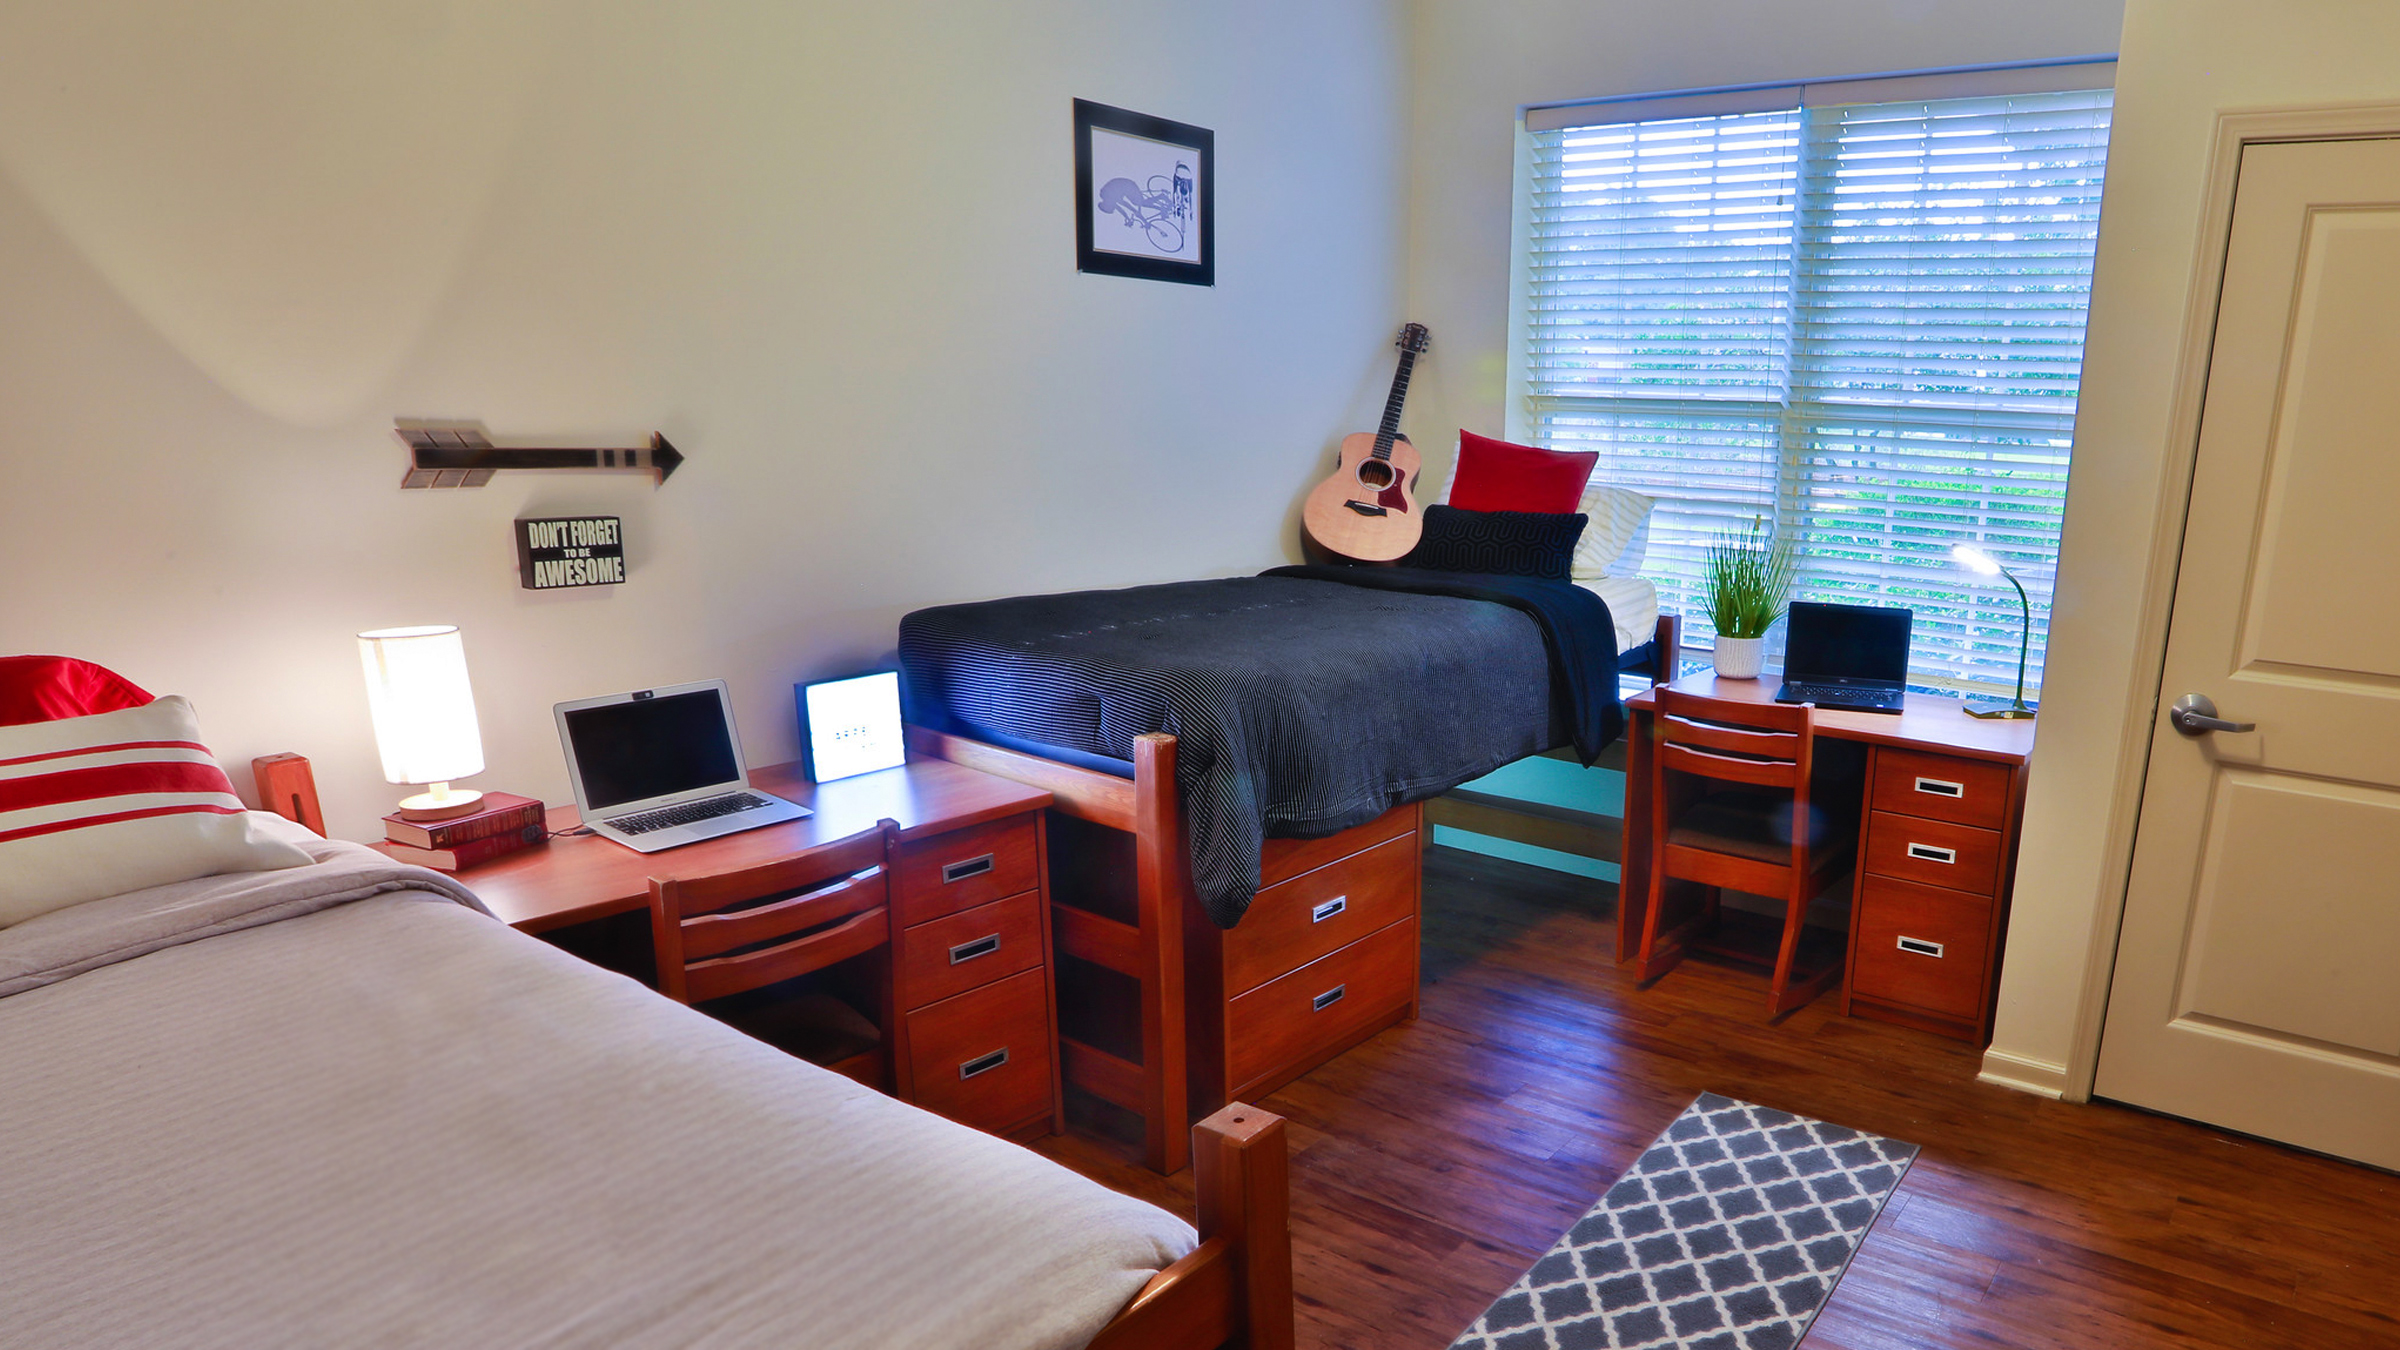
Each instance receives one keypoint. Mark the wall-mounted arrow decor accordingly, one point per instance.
(443, 455)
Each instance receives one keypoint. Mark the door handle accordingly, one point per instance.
(2196, 715)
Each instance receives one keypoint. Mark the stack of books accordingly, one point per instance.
(503, 824)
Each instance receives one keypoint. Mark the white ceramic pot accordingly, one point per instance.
(1739, 658)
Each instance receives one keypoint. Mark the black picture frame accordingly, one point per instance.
(1147, 207)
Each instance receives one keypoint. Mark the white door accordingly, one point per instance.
(2257, 982)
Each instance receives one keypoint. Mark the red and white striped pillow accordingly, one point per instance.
(115, 802)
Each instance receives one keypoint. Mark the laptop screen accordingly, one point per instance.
(1846, 642)
(650, 747)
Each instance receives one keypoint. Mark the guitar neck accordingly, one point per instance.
(1389, 431)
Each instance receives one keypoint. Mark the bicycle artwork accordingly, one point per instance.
(1161, 207)
(1145, 189)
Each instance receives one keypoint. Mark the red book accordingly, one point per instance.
(460, 857)
(499, 813)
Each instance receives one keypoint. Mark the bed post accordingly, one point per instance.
(1235, 1289)
(1669, 651)
(288, 787)
(1241, 1169)
(1160, 883)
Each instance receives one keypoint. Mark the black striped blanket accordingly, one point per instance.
(1304, 701)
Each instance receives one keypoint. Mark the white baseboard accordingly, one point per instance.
(2037, 1076)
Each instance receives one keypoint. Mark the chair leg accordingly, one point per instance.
(1653, 963)
(1785, 993)
(1795, 918)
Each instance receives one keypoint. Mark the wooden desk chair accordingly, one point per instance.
(739, 931)
(1738, 816)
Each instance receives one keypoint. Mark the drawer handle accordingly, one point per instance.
(983, 1063)
(960, 871)
(1941, 787)
(968, 951)
(1920, 947)
(1330, 908)
(1330, 997)
(1932, 853)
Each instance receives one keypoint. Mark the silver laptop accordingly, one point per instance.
(661, 767)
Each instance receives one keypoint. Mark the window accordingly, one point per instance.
(1861, 321)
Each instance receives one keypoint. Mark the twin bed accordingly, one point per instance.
(337, 1104)
(1217, 746)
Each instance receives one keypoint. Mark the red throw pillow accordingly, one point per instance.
(47, 688)
(1497, 476)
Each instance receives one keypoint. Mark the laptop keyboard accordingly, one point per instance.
(685, 814)
(1795, 691)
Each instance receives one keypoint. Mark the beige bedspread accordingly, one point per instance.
(384, 1119)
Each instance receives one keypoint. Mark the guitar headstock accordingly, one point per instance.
(1413, 338)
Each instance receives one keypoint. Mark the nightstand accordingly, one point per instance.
(975, 1033)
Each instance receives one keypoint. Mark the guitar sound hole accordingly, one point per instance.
(1375, 473)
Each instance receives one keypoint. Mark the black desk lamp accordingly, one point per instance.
(1976, 560)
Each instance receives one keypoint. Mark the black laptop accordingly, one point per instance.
(1845, 656)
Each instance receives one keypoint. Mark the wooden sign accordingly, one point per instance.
(570, 551)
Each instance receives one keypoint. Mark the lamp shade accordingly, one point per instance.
(423, 709)
(1975, 559)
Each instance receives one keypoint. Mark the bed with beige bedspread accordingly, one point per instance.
(338, 1105)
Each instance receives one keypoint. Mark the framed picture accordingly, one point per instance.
(1145, 196)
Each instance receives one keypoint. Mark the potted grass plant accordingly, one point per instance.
(1747, 585)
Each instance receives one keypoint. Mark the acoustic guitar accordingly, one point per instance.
(1367, 510)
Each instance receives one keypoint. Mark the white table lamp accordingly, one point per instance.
(424, 715)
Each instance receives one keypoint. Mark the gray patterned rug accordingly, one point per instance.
(1728, 1233)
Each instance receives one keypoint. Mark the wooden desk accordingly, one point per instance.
(1925, 934)
(573, 879)
(970, 963)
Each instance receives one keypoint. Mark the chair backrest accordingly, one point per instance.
(744, 929)
(1763, 744)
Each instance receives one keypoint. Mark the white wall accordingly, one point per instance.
(827, 249)
(1473, 66)
(2183, 61)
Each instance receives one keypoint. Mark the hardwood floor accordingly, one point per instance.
(1434, 1163)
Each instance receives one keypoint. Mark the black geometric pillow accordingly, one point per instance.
(1512, 543)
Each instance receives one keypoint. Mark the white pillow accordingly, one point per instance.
(119, 801)
(1618, 536)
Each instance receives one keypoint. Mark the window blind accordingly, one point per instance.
(1861, 323)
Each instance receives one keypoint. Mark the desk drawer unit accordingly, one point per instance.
(1937, 855)
(983, 1057)
(970, 965)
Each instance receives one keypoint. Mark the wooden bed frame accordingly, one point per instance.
(1151, 949)
(1233, 1292)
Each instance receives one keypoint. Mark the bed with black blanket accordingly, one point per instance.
(1305, 701)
